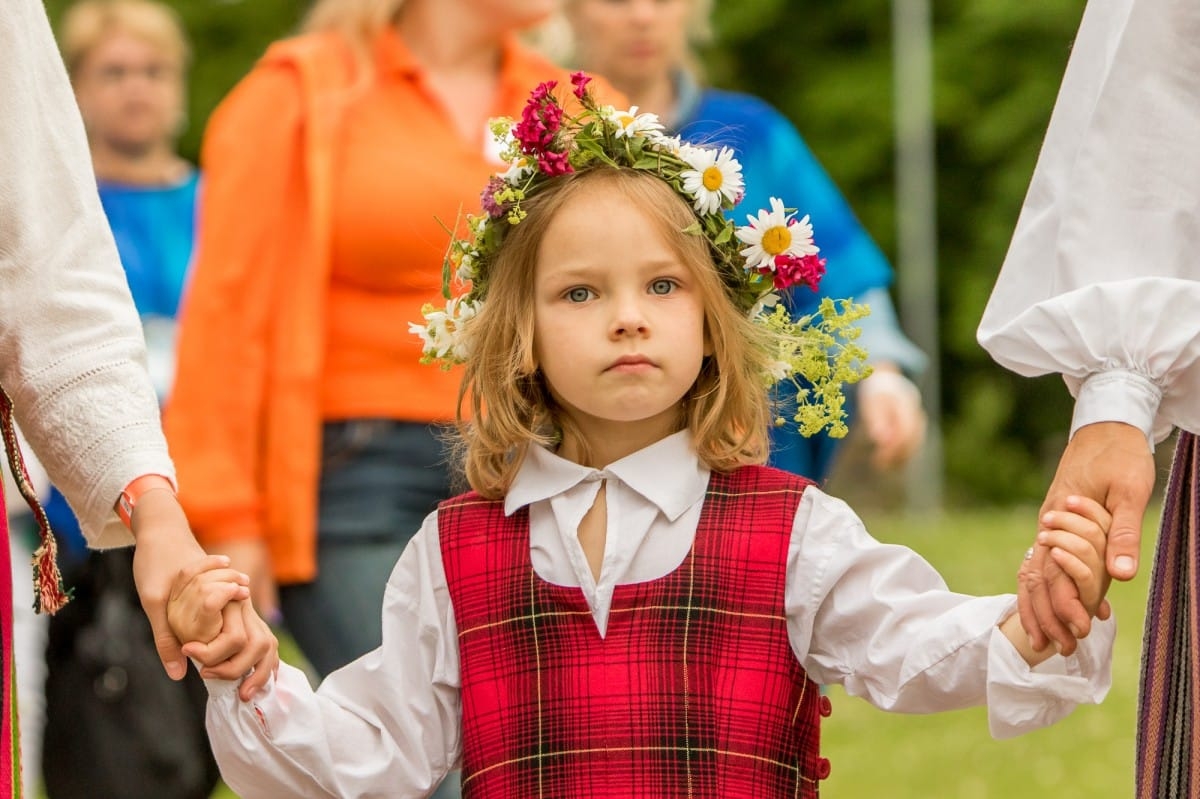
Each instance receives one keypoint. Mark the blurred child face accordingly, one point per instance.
(619, 330)
(130, 93)
(630, 41)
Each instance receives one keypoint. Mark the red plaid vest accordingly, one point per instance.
(694, 691)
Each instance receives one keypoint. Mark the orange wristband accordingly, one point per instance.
(133, 492)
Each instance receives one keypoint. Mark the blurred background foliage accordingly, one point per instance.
(828, 66)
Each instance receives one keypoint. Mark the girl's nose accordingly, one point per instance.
(629, 320)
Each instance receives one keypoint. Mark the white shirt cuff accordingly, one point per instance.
(1021, 699)
(1118, 396)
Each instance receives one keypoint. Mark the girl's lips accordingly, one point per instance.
(629, 361)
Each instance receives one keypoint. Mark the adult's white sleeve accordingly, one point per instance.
(386, 725)
(72, 356)
(880, 621)
(1101, 282)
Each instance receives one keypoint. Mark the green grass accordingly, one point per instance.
(1089, 754)
(951, 755)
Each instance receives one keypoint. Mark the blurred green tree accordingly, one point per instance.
(997, 69)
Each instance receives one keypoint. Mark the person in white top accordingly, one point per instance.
(1101, 283)
(72, 356)
(627, 604)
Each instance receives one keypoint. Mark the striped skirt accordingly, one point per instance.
(1168, 750)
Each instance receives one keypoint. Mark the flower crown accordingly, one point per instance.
(773, 252)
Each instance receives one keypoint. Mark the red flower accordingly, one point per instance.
(554, 163)
(540, 120)
(580, 81)
(791, 271)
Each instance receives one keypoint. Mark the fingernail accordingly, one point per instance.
(1042, 536)
(176, 669)
(1047, 518)
(1074, 630)
(1058, 647)
(1125, 563)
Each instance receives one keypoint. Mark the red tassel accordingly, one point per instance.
(49, 594)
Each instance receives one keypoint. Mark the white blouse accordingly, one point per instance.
(1102, 279)
(72, 356)
(875, 618)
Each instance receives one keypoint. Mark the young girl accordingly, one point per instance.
(626, 604)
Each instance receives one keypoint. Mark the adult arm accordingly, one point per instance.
(72, 355)
(1101, 282)
(387, 723)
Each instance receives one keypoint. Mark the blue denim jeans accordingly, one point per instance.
(379, 479)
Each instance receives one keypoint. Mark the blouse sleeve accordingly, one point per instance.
(1102, 279)
(879, 620)
(72, 356)
(386, 724)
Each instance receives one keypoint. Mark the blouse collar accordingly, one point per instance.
(667, 473)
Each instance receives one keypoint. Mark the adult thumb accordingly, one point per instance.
(1125, 538)
(170, 651)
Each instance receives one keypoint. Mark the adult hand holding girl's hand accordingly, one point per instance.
(1074, 541)
(209, 608)
(1109, 463)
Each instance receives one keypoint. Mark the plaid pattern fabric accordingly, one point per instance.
(1168, 750)
(694, 691)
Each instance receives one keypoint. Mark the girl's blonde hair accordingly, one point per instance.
(88, 22)
(504, 405)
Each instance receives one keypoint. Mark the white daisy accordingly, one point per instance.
(630, 123)
(766, 302)
(775, 233)
(466, 266)
(519, 170)
(442, 331)
(714, 177)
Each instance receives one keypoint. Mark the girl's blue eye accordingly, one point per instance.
(579, 294)
(662, 286)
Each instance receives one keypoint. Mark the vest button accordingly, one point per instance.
(823, 768)
(826, 707)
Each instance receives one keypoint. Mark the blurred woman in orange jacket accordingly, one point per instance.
(302, 423)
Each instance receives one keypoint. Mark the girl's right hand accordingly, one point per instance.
(250, 556)
(199, 595)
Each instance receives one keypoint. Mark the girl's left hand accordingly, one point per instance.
(1077, 538)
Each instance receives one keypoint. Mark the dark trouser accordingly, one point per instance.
(379, 480)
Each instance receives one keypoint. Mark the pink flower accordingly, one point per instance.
(494, 208)
(540, 120)
(580, 81)
(791, 271)
(554, 163)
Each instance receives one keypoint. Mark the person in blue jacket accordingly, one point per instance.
(645, 49)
